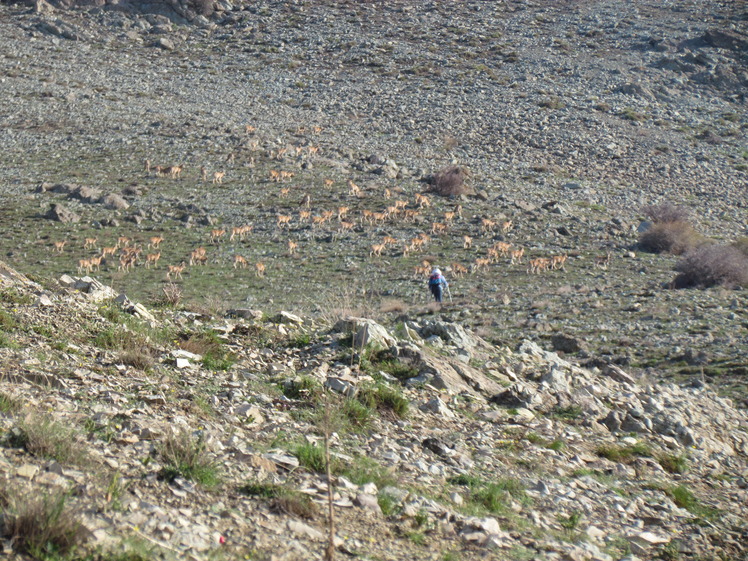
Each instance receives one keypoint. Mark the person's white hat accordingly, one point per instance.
(436, 271)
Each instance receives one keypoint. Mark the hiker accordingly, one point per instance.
(437, 284)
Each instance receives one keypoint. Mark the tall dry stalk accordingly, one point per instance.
(330, 551)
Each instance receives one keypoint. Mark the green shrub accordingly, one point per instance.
(367, 470)
(384, 397)
(684, 498)
(356, 413)
(8, 403)
(491, 496)
(186, 456)
(303, 387)
(312, 457)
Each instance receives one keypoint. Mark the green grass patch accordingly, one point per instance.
(381, 396)
(493, 496)
(673, 463)
(367, 470)
(624, 454)
(8, 403)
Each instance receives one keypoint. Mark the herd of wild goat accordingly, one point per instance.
(368, 211)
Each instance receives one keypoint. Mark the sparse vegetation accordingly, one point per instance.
(44, 527)
(712, 265)
(450, 181)
(185, 455)
(43, 436)
(623, 453)
(384, 397)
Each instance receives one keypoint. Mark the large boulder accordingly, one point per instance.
(366, 332)
(61, 214)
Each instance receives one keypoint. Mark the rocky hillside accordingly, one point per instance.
(137, 434)
(213, 159)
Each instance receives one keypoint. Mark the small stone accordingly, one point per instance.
(27, 471)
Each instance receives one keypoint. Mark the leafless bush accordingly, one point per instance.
(712, 265)
(450, 181)
(666, 213)
(676, 237)
(172, 295)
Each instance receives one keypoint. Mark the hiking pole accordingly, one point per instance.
(449, 293)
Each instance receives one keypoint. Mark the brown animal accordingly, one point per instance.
(152, 259)
(467, 242)
(328, 182)
(175, 270)
(438, 227)
(218, 177)
(422, 201)
(198, 255)
(84, 266)
(90, 243)
(459, 270)
(353, 189)
(516, 255)
(216, 234)
(123, 241)
(155, 242)
(377, 249)
(284, 192)
(240, 261)
(292, 247)
(203, 174)
(60, 246)
(107, 251)
(283, 220)
(603, 261)
(481, 263)
(305, 215)
(558, 262)
(506, 226)
(487, 225)
(260, 269)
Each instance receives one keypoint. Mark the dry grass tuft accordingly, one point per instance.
(393, 306)
(712, 265)
(450, 181)
(44, 437)
(43, 527)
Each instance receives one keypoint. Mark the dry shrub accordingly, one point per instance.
(674, 237)
(172, 295)
(671, 230)
(42, 526)
(450, 181)
(666, 213)
(712, 265)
